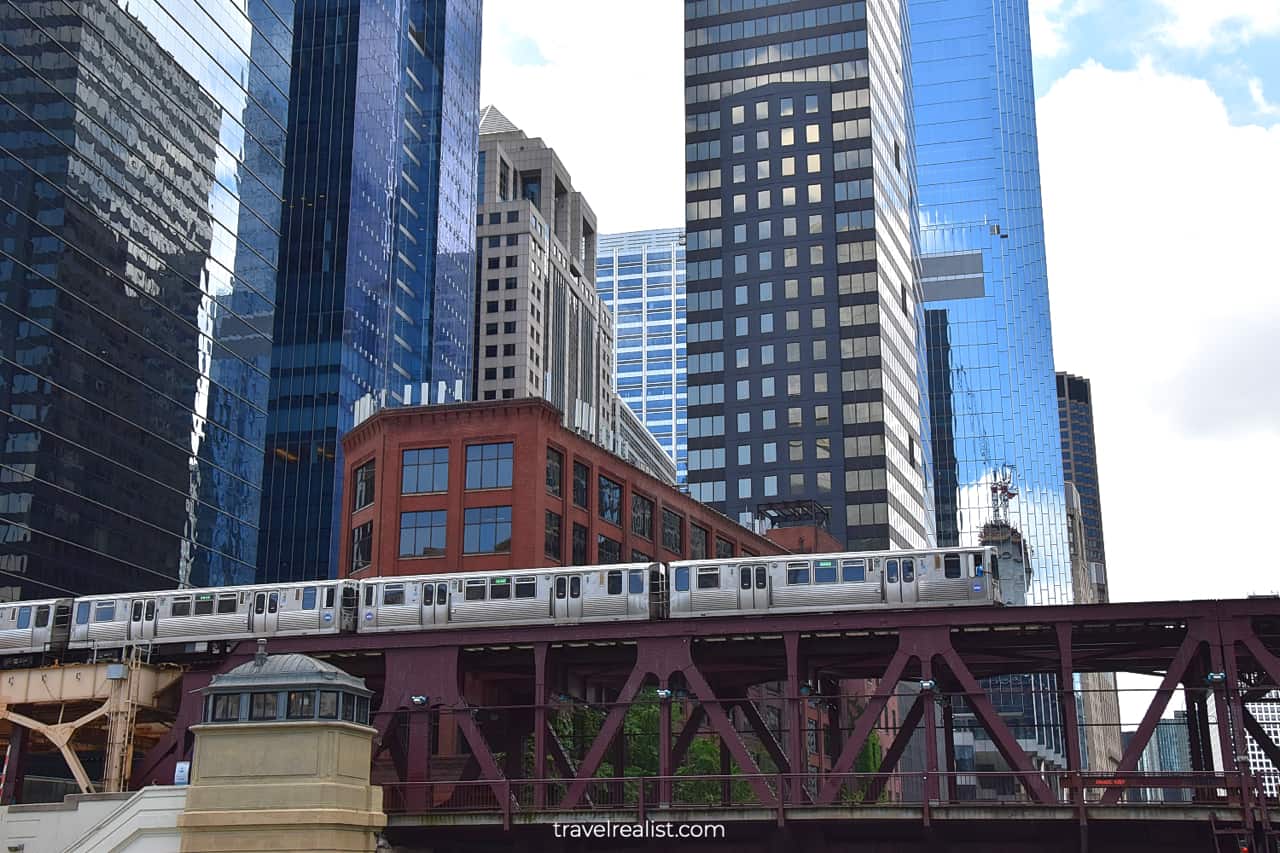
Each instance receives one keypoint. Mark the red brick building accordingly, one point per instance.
(502, 485)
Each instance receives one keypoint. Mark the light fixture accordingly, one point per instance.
(928, 685)
(1216, 678)
(664, 694)
(419, 701)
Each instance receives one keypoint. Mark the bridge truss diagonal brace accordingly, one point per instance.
(1198, 634)
(906, 728)
(663, 657)
(60, 735)
(432, 673)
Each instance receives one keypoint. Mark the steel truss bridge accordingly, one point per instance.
(488, 737)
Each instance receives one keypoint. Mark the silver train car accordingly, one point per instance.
(494, 599)
(195, 618)
(34, 627)
(827, 582)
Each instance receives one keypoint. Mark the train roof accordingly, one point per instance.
(836, 555)
(502, 573)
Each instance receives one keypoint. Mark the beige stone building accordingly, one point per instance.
(1101, 717)
(541, 328)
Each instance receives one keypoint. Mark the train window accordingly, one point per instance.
(500, 588)
(562, 586)
(137, 611)
(854, 571)
(575, 587)
(82, 613)
(908, 571)
(442, 593)
(976, 570)
(227, 602)
(328, 597)
(309, 598)
(328, 705)
(995, 567)
(614, 579)
(368, 596)
(708, 577)
(824, 571)
(273, 602)
(951, 566)
(181, 607)
(891, 570)
(262, 706)
(42, 616)
(745, 577)
(24, 617)
(204, 605)
(762, 577)
(151, 609)
(260, 603)
(635, 582)
(302, 705)
(105, 612)
(476, 589)
(226, 707)
(682, 579)
(392, 594)
(797, 573)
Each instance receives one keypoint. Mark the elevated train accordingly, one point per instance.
(196, 621)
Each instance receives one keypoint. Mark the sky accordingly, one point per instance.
(1159, 131)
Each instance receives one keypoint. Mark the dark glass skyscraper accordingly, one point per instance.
(141, 152)
(1080, 463)
(990, 344)
(377, 269)
(804, 306)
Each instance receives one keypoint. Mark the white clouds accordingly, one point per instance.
(1049, 22)
(602, 84)
(1160, 222)
(1202, 24)
(1259, 98)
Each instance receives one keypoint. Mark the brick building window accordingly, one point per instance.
(610, 498)
(422, 534)
(579, 545)
(608, 551)
(723, 548)
(672, 532)
(362, 546)
(551, 541)
(581, 485)
(424, 470)
(489, 466)
(363, 478)
(698, 539)
(642, 516)
(555, 472)
(486, 530)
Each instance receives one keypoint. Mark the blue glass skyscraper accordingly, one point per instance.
(377, 271)
(990, 352)
(141, 150)
(640, 276)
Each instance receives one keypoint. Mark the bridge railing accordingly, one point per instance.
(640, 796)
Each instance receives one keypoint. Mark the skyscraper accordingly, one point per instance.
(377, 271)
(804, 301)
(996, 457)
(1080, 467)
(140, 182)
(641, 276)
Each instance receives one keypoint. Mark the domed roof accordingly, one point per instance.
(287, 670)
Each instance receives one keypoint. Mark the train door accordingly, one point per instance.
(266, 612)
(142, 619)
(435, 603)
(753, 587)
(566, 599)
(900, 580)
